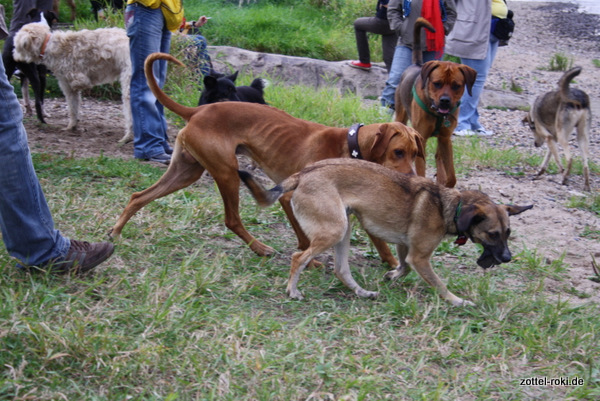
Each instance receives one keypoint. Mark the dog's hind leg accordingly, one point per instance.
(545, 161)
(563, 140)
(303, 241)
(342, 268)
(384, 251)
(228, 182)
(182, 172)
(583, 130)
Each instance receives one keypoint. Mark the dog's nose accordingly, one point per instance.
(506, 256)
(444, 103)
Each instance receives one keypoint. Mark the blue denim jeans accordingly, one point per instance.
(147, 34)
(402, 60)
(27, 226)
(468, 117)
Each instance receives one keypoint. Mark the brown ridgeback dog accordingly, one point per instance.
(410, 211)
(429, 96)
(279, 143)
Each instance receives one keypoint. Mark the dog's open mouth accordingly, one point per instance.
(487, 259)
(443, 111)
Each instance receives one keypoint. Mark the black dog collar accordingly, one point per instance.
(462, 238)
(353, 141)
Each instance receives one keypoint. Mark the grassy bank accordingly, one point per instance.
(185, 311)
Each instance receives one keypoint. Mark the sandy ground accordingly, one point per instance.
(542, 30)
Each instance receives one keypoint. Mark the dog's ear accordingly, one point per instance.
(528, 121)
(469, 216)
(427, 69)
(210, 82)
(470, 74)
(514, 209)
(382, 139)
(420, 145)
(232, 77)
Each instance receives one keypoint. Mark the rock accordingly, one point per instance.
(290, 70)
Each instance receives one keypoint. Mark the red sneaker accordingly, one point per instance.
(360, 66)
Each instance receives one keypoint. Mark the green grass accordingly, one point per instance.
(560, 62)
(184, 311)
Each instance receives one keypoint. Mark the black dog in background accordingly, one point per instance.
(34, 74)
(222, 88)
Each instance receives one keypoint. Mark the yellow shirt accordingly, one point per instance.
(499, 9)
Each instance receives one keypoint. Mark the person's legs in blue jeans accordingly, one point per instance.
(147, 34)
(469, 116)
(27, 227)
(402, 60)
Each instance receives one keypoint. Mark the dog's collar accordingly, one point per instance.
(353, 141)
(462, 238)
(43, 49)
(439, 119)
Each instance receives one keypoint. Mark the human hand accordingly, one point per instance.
(202, 20)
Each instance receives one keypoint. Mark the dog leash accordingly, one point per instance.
(439, 120)
(353, 141)
(462, 239)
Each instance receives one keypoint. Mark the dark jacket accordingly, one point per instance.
(381, 10)
(405, 26)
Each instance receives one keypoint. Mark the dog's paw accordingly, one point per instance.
(366, 294)
(128, 137)
(112, 234)
(261, 249)
(396, 273)
(295, 294)
(464, 302)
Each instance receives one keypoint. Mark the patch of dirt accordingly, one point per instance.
(542, 30)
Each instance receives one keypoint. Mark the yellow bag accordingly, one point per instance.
(172, 11)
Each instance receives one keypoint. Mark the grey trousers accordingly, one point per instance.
(380, 27)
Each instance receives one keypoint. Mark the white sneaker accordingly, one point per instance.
(465, 132)
(484, 132)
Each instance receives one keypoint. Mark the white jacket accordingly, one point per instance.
(471, 34)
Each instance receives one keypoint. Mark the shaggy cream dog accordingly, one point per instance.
(79, 60)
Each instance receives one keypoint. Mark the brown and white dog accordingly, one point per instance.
(429, 96)
(553, 117)
(80, 60)
(410, 211)
(279, 143)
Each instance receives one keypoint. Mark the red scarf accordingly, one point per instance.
(430, 10)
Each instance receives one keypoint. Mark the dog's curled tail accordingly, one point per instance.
(181, 110)
(266, 197)
(417, 51)
(563, 85)
(259, 84)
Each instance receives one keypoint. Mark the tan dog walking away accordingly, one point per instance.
(429, 96)
(553, 117)
(279, 143)
(410, 211)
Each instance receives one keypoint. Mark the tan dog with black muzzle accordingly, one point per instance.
(279, 143)
(410, 211)
(429, 96)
